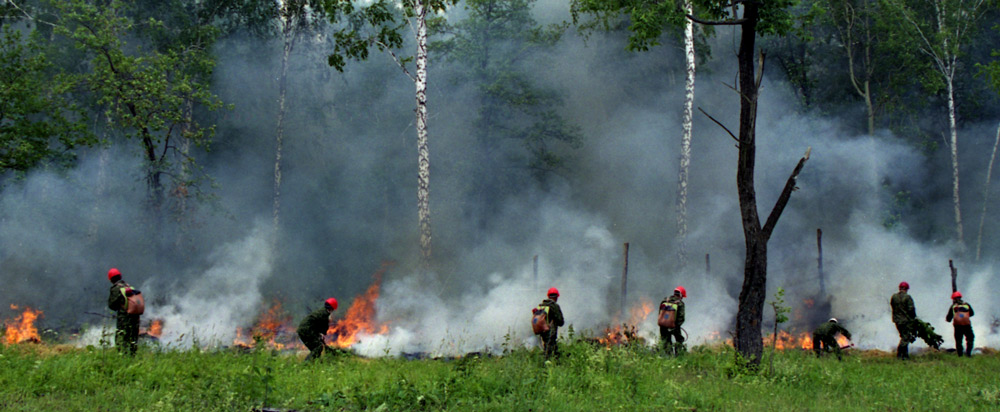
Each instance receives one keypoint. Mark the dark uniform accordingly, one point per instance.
(667, 335)
(961, 331)
(555, 318)
(312, 329)
(825, 338)
(127, 331)
(904, 315)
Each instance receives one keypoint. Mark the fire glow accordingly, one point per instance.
(626, 332)
(360, 316)
(801, 340)
(22, 328)
(154, 330)
(273, 329)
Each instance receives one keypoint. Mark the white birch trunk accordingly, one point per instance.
(953, 131)
(986, 194)
(288, 34)
(423, 154)
(685, 161)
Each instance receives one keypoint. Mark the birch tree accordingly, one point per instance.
(378, 25)
(943, 29)
(647, 22)
(294, 17)
(880, 61)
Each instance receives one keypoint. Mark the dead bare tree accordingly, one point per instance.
(749, 340)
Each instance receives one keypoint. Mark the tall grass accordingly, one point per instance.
(586, 378)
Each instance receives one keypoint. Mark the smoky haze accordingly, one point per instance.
(349, 204)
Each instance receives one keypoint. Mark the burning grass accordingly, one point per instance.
(22, 328)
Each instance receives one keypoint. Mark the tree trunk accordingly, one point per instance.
(423, 154)
(986, 193)
(751, 301)
(685, 163)
(288, 34)
(748, 340)
(953, 133)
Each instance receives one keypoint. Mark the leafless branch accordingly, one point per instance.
(720, 124)
(786, 194)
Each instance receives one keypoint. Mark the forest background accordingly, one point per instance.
(209, 150)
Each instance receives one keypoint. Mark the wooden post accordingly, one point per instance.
(954, 276)
(624, 283)
(708, 265)
(819, 261)
(534, 261)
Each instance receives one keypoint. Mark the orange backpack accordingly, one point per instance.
(961, 315)
(136, 304)
(540, 320)
(668, 315)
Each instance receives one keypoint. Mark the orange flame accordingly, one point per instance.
(22, 328)
(626, 332)
(802, 340)
(788, 341)
(155, 328)
(360, 316)
(273, 329)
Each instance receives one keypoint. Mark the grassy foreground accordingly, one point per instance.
(589, 378)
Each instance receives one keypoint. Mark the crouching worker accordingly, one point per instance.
(313, 328)
(825, 337)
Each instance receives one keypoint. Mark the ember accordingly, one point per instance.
(22, 328)
(360, 316)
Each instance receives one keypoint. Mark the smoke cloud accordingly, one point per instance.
(348, 204)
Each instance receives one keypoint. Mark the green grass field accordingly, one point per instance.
(50, 377)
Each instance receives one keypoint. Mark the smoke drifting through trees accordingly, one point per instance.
(347, 201)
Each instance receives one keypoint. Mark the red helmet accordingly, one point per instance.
(332, 302)
(956, 295)
(682, 291)
(553, 291)
(904, 285)
(112, 273)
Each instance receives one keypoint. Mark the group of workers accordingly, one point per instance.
(313, 327)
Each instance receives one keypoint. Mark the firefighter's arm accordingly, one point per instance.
(680, 314)
(951, 311)
(558, 316)
(971, 312)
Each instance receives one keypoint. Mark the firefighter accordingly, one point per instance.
(959, 314)
(825, 337)
(127, 325)
(904, 315)
(313, 328)
(670, 319)
(555, 320)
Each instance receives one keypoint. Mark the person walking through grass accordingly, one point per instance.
(670, 319)
(554, 318)
(959, 315)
